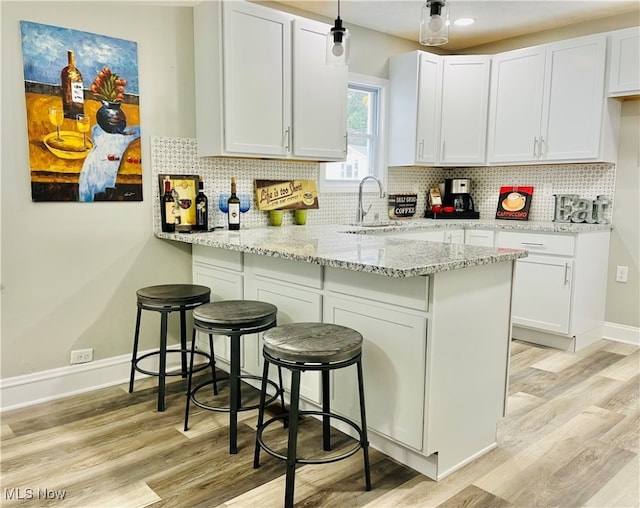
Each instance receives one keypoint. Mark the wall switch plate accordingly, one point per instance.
(81, 356)
(622, 273)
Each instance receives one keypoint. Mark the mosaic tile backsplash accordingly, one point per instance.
(179, 156)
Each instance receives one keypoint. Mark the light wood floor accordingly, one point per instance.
(571, 439)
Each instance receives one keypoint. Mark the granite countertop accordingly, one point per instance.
(342, 246)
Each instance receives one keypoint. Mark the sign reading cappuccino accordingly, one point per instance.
(514, 203)
(286, 194)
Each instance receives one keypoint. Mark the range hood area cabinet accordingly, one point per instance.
(548, 104)
(438, 109)
(263, 88)
(624, 62)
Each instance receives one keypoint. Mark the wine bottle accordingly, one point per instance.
(202, 209)
(233, 205)
(72, 89)
(167, 209)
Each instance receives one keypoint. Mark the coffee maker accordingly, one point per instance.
(457, 202)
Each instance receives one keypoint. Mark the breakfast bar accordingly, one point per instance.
(435, 319)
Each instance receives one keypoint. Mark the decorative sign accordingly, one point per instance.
(514, 203)
(184, 189)
(402, 205)
(286, 194)
(572, 208)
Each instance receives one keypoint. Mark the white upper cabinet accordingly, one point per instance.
(624, 62)
(438, 109)
(255, 95)
(465, 105)
(257, 79)
(319, 95)
(548, 105)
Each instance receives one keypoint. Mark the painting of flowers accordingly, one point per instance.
(83, 115)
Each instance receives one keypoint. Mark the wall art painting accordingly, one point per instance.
(83, 115)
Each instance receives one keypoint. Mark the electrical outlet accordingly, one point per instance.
(81, 356)
(622, 272)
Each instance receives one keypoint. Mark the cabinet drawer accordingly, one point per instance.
(221, 258)
(482, 237)
(543, 243)
(410, 292)
(285, 270)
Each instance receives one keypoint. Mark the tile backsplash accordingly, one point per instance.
(179, 156)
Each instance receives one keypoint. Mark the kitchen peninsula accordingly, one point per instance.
(435, 318)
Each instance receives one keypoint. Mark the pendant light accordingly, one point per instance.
(338, 43)
(434, 23)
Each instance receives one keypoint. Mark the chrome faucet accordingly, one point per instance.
(361, 213)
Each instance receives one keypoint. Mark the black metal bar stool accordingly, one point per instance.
(317, 347)
(233, 318)
(167, 298)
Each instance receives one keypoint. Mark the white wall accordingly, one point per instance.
(70, 270)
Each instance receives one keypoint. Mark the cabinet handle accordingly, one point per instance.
(541, 147)
(346, 143)
(535, 147)
(421, 150)
(442, 156)
(566, 274)
(532, 244)
(287, 134)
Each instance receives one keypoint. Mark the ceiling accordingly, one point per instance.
(495, 19)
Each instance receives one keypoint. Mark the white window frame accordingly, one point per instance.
(380, 166)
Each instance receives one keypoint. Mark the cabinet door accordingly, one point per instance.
(454, 236)
(319, 95)
(393, 359)
(224, 285)
(465, 103)
(481, 237)
(542, 293)
(574, 99)
(516, 105)
(624, 70)
(429, 108)
(257, 79)
(294, 305)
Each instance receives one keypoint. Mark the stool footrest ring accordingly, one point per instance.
(196, 368)
(202, 405)
(327, 460)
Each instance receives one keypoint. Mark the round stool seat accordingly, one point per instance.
(172, 295)
(234, 315)
(312, 342)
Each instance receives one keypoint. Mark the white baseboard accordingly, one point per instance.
(30, 389)
(622, 333)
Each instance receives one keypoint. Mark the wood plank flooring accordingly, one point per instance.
(571, 439)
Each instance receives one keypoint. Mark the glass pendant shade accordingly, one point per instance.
(338, 44)
(434, 23)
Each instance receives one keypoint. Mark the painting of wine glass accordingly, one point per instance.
(83, 118)
(184, 189)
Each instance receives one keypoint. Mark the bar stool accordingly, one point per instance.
(165, 299)
(233, 318)
(316, 347)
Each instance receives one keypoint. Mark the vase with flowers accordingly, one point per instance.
(109, 88)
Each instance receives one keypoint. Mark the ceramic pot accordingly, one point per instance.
(111, 118)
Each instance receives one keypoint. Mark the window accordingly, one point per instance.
(366, 111)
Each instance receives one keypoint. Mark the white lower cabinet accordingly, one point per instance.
(455, 236)
(560, 288)
(221, 271)
(394, 353)
(542, 298)
(292, 286)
